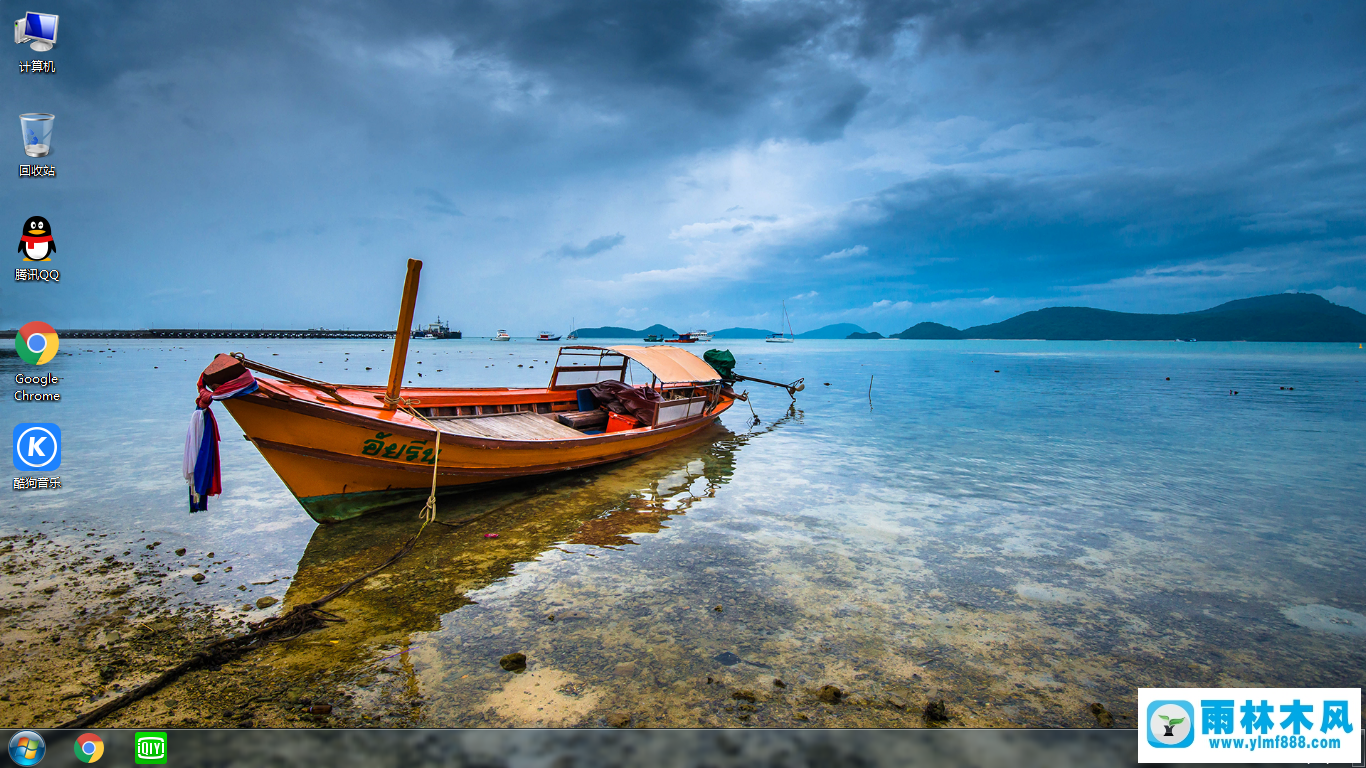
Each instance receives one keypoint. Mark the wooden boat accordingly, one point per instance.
(654, 338)
(347, 450)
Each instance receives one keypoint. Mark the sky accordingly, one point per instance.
(698, 163)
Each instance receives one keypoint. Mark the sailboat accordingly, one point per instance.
(574, 330)
(779, 338)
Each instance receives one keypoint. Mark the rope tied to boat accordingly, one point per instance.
(406, 404)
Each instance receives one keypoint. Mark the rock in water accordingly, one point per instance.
(830, 694)
(513, 662)
(745, 695)
(619, 719)
(180, 552)
(198, 577)
(936, 712)
(265, 602)
(727, 658)
(1103, 716)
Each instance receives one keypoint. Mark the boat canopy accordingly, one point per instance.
(670, 365)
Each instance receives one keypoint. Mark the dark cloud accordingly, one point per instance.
(1020, 148)
(592, 248)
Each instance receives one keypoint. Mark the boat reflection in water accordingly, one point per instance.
(386, 615)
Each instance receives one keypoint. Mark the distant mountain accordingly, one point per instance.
(929, 331)
(1280, 317)
(742, 333)
(617, 332)
(873, 335)
(836, 331)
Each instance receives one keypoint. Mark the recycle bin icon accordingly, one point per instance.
(37, 128)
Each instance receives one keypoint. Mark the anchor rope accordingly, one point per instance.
(428, 513)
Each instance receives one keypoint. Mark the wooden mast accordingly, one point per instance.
(403, 334)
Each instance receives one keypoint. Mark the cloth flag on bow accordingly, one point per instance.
(225, 377)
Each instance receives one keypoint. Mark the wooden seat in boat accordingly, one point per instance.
(524, 425)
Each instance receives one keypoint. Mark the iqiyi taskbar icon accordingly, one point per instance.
(149, 748)
(36, 343)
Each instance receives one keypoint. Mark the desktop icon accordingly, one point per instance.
(37, 447)
(36, 242)
(149, 748)
(40, 28)
(37, 130)
(89, 748)
(36, 343)
(26, 748)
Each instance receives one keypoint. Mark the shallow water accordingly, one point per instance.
(1018, 528)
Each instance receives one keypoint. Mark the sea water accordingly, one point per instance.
(1017, 528)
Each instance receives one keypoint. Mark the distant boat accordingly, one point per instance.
(779, 338)
(1185, 339)
(654, 337)
(573, 334)
(437, 330)
(501, 336)
(683, 338)
(545, 336)
(700, 336)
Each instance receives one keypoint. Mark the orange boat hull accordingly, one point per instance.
(345, 460)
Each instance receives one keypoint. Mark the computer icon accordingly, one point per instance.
(41, 28)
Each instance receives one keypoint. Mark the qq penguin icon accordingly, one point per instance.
(1171, 724)
(36, 242)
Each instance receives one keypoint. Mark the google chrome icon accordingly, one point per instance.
(36, 343)
(89, 748)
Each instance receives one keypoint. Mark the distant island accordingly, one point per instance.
(836, 331)
(742, 333)
(617, 332)
(1281, 317)
(869, 336)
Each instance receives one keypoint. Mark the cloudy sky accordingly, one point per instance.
(693, 163)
